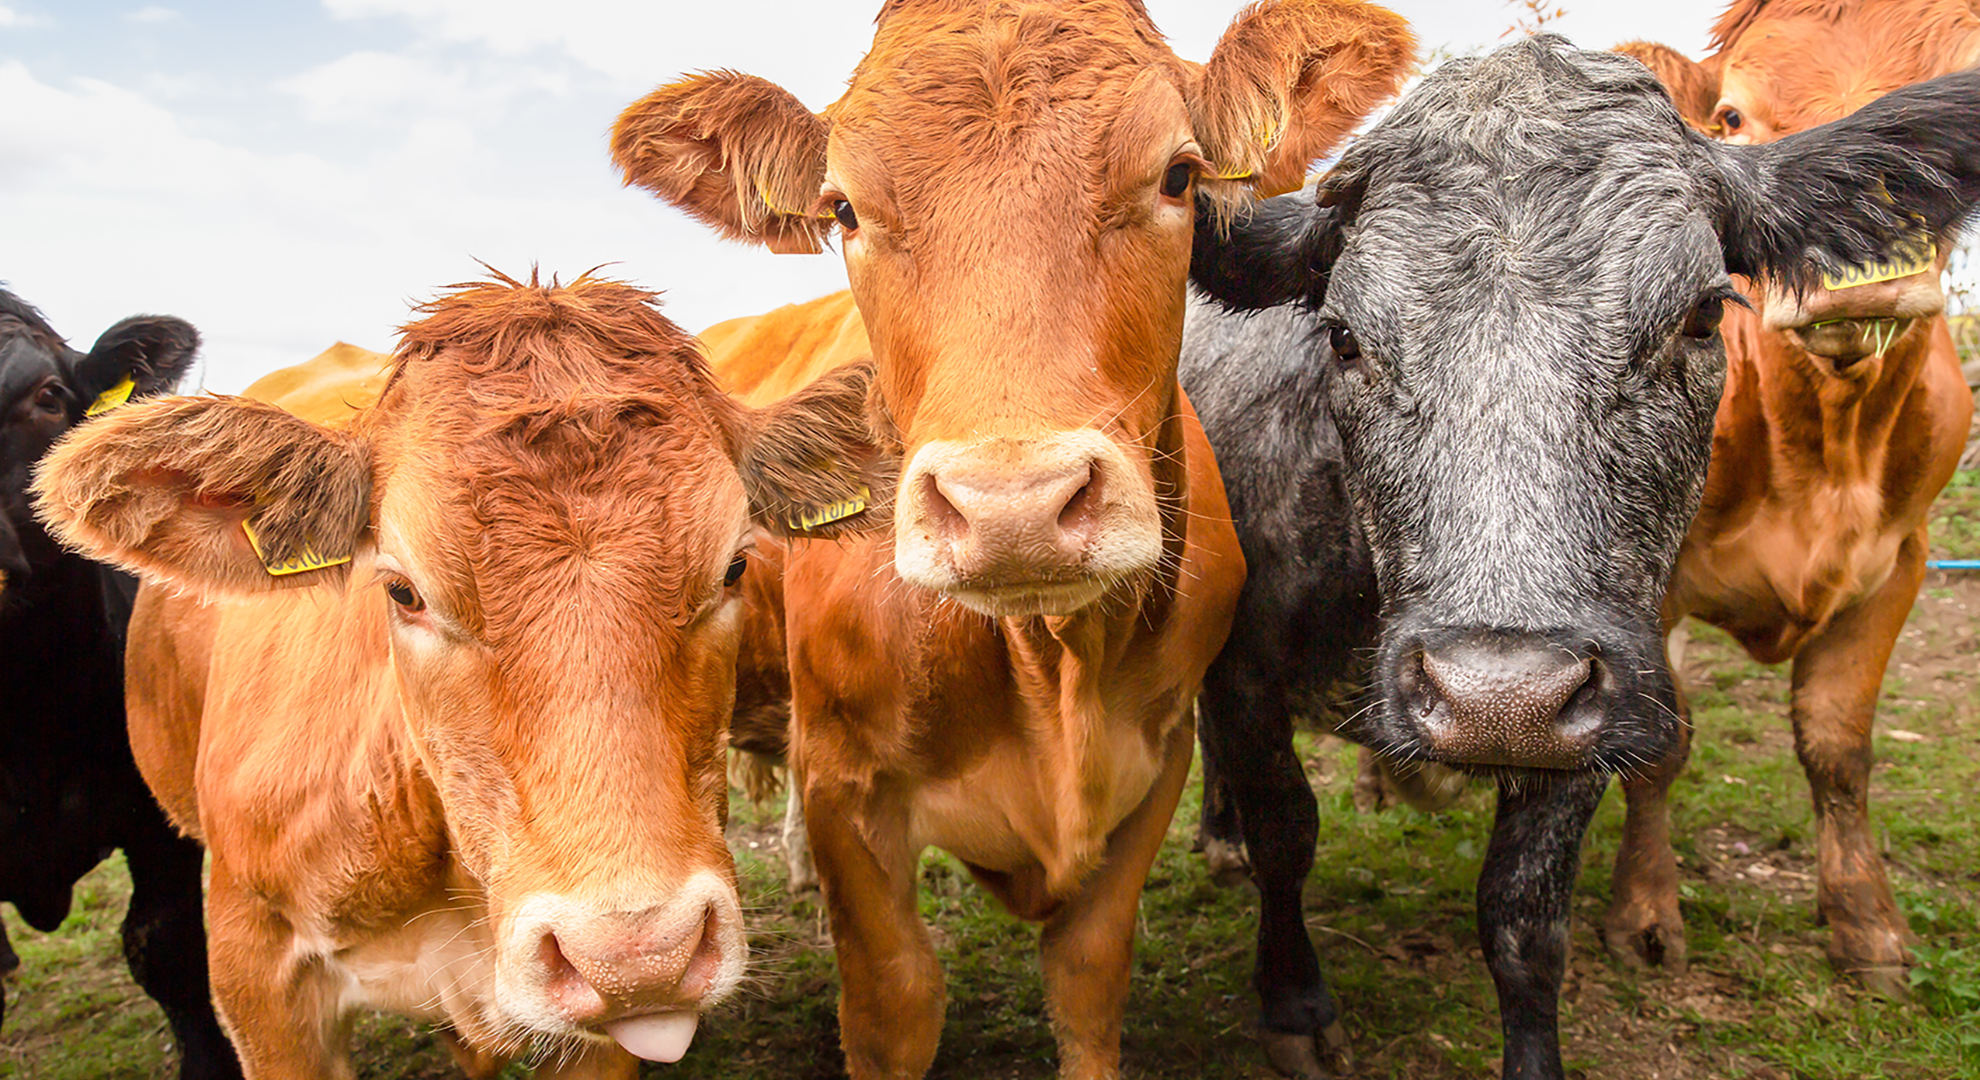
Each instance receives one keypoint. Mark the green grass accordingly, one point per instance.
(1955, 526)
(1390, 905)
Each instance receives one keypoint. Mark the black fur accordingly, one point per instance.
(69, 791)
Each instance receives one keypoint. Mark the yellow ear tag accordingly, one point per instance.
(1915, 258)
(307, 560)
(111, 398)
(825, 515)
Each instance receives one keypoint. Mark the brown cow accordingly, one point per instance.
(1005, 670)
(450, 716)
(1844, 415)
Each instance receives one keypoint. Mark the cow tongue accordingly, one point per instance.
(655, 1036)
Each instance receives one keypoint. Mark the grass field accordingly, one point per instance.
(1390, 906)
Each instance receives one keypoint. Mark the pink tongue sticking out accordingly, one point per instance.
(655, 1036)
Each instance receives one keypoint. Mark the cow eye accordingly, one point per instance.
(1342, 341)
(1703, 321)
(1175, 182)
(1730, 120)
(404, 595)
(736, 567)
(49, 400)
(843, 210)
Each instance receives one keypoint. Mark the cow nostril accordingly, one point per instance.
(706, 962)
(1081, 513)
(942, 514)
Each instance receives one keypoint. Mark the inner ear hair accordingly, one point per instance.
(814, 455)
(734, 151)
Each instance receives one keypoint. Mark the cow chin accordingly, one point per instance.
(1017, 527)
(592, 969)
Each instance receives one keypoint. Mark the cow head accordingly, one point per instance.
(46, 388)
(534, 541)
(1013, 186)
(1785, 66)
(1520, 274)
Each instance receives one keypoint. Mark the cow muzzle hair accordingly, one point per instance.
(639, 973)
(1032, 526)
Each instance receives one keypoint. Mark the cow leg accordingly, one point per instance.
(1245, 718)
(1836, 679)
(802, 874)
(891, 996)
(1087, 948)
(1523, 896)
(281, 1012)
(1643, 925)
(165, 943)
(1219, 834)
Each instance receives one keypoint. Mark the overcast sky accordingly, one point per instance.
(289, 173)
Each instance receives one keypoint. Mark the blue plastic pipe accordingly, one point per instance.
(1952, 564)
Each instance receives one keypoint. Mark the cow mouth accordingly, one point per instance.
(1043, 598)
(1844, 342)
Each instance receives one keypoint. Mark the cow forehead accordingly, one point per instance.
(1024, 95)
(1812, 61)
(601, 514)
(1548, 176)
(24, 361)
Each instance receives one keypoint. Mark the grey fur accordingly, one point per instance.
(1530, 252)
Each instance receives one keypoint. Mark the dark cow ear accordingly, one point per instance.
(153, 351)
(813, 464)
(1852, 190)
(1274, 252)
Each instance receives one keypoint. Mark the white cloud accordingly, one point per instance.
(153, 14)
(10, 17)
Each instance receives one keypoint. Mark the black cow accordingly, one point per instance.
(69, 791)
(1471, 445)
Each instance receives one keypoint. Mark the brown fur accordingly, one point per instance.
(1018, 281)
(674, 142)
(169, 482)
(555, 467)
(330, 388)
(1809, 544)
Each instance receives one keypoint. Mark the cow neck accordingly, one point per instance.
(1062, 664)
(1839, 426)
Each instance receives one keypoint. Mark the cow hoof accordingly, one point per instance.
(1884, 980)
(1228, 866)
(1299, 1057)
(1654, 945)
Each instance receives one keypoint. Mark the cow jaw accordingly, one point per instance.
(1023, 527)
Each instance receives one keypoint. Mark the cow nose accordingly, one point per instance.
(1496, 702)
(991, 518)
(604, 968)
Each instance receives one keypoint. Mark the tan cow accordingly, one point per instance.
(1844, 415)
(1003, 666)
(444, 688)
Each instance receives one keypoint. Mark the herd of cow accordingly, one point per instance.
(438, 655)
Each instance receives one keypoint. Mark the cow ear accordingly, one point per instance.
(736, 152)
(813, 464)
(1854, 190)
(1273, 252)
(153, 351)
(212, 494)
(1290, 79)
(1693, 86)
